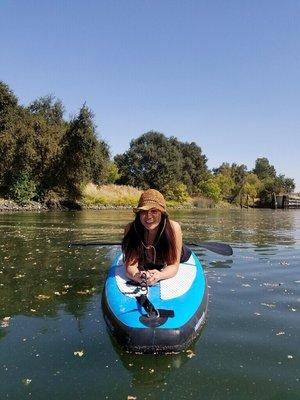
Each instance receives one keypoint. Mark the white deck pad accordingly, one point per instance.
(122, 279)
(180, 283)
(169, 288)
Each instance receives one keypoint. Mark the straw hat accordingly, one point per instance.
(151, 198)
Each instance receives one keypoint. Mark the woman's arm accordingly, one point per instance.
(132, 270)
(169, 270)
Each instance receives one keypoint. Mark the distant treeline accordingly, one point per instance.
(44, 156)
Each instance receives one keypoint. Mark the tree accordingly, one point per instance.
(231, 179)
(50, 108)
(8, 107)
(250, 188)
(151, 161)
(177, 191)
(238, 173)
(9, 118)
(285, 185)
(210, 188)
(263, 169)
(194, 168)
(112, 172)
(226, 185)
(84, 157)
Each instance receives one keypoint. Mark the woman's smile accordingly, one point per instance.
(150, 218)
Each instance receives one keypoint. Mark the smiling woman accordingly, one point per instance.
(162, 306)
(152, 244)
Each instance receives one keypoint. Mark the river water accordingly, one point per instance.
(54, 343)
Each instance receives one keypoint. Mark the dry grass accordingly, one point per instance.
(113, 195)
(203, 202)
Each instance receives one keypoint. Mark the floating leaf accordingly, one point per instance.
(79, 353)
(26, 381)
(42, 297)
(190, 353)
(4, 323)
(268, 305)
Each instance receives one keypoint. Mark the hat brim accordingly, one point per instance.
(149, 207)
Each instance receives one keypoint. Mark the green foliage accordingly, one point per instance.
(23, 188)
(271, 183)
(156, 161)
(267, 191)
(50, 109)
(176, 192)
(63, 156)
(194, 168)
(83, 158)
(285, 185)
(226, 184)
(112, 172)
(230, 178)
(60, 155)
(263, 169)
(151, 161)
(8, 106)
(251, 187)
(210, 188)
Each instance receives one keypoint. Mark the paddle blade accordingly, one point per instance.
(216, 247)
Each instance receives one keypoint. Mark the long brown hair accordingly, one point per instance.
(164, 242)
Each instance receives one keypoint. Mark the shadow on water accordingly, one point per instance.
(149, 370)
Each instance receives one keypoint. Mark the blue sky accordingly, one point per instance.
(225, 74)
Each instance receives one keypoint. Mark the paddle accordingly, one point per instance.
(216, 247)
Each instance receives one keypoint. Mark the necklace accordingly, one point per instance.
(151, 246)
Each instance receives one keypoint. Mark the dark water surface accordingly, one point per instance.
(54, 343)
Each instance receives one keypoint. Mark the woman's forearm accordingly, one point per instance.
(169, 271)
(133, 272)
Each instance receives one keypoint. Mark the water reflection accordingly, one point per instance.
(240, 226)
(39, 274)
(50, 296)
(39, 282)
(152, 370)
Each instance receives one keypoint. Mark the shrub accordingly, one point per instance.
(23, 188)
(176, 192)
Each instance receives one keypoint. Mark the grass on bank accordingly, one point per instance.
(121, 195)
(115, 196)
(110, 195)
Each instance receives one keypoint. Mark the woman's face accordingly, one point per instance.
(150, 219)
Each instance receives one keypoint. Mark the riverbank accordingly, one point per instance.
(9, 206)
(34, 206)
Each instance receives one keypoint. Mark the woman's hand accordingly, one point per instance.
(153, 276)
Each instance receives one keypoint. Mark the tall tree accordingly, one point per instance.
(194, 168)
(49, 107)
(263, 169)
(84, 157)
(153, 160)
(285, 185)
(8, 107)
(10, 123)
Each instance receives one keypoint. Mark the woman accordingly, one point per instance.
(152, 243)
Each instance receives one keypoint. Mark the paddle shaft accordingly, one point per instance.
(216, 247)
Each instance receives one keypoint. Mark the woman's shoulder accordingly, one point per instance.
(175, 225)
